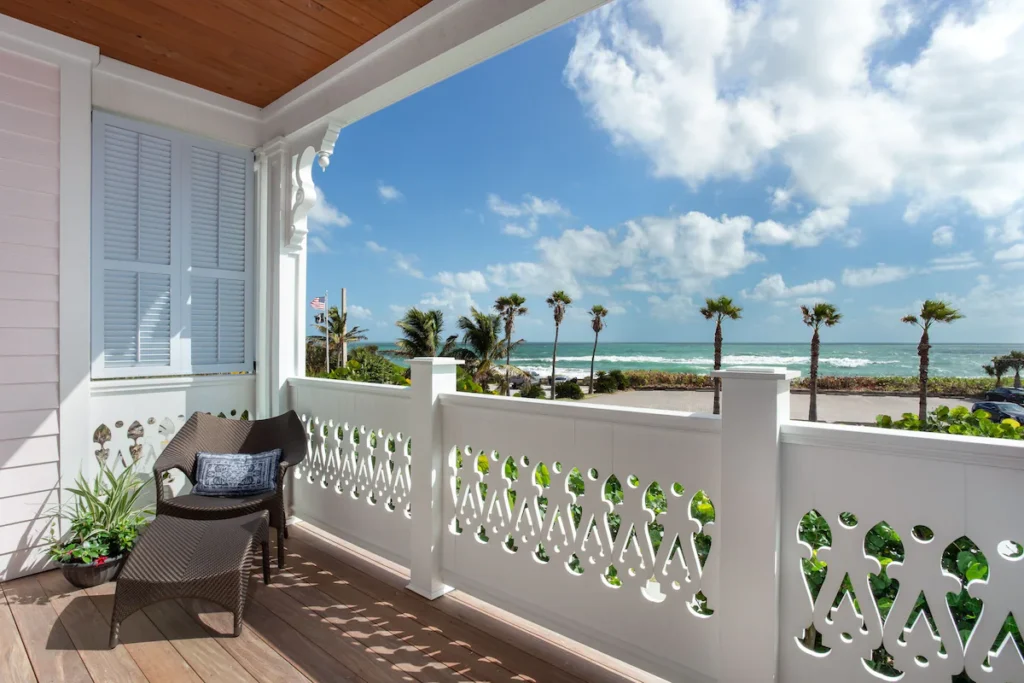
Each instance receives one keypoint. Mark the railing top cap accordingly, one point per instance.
(435, 361)
(755, 372)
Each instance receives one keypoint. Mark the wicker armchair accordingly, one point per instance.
(205, 433)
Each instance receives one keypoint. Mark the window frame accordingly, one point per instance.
(180, 269)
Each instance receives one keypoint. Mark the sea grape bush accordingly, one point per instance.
(959, 421)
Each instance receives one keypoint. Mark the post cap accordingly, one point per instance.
(435, 361)
(755, 372)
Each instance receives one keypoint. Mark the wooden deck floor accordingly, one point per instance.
(336, 613)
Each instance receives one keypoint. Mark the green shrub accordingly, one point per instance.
(569, 390)
(464, 382)
(532, 391)
(619, 377)
(605, 383)
(959, 421)
(369, 367)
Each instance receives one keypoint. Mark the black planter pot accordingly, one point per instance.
(89, 575)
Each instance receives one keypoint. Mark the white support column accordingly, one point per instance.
(755, 403)
(431, 377)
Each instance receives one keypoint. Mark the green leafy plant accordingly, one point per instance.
(605, 383)
(531, 391)
(569, 390)
(464, 382)
(104, 518)
(959, 421)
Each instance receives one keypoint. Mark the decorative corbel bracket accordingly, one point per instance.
(316, 146)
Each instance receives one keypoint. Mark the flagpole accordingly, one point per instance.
(327, 331)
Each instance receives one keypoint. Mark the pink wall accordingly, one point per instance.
(29, 189)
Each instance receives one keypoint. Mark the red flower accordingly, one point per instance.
(101, 559)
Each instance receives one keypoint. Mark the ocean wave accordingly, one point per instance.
(709, 362)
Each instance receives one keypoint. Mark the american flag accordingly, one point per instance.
(317, 303)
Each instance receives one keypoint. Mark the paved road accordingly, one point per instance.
(831, 407)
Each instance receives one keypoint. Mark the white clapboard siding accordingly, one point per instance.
(29, 262)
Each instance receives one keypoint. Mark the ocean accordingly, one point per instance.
(947, 360)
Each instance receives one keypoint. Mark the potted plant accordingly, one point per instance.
(103, 522)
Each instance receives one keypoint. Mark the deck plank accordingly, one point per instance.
(49, 647)
(14, 663)
(263, 662)
(375, 656)
(89, 632)
(307, 657)
(157, 658)
(204, 654)
(533, 656)
(403, 640)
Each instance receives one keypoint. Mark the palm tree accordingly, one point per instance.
(597, 315)
(932, 311)
(509, 308)
(421, 335)
(820, 314)
(337, 325)
(559, 301)
(718, 310)
(999, 366)
(1014, 361)
(481, 335)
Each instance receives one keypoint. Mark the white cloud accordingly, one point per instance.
(529, 212)
(809, 232)
(398, 310)
(357, 311)
(712, 89)
(317, 245)
(690, 250)
(645, 287)
(774, 287)
(1011, 230)
(964, 261)
(781, 198)
(472, 281)
(450, 300)
(943, 236)
(324, 215)
(403, 263)
(1014, 253)
(520, 231)
(672, 307)
(389, 193)
(879, 275)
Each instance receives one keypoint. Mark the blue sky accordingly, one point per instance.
(653, 153)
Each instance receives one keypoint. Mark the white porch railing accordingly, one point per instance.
(670, 540)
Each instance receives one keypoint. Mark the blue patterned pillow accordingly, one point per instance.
(236, 474)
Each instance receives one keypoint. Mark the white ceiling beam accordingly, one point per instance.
(438, 41)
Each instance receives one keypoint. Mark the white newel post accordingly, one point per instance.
(755, 403)
(431, 377)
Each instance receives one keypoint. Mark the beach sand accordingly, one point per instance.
(831, 407)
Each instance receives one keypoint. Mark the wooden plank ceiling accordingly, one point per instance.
(250, 50)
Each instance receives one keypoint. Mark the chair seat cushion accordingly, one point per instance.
(236, 474)
(192, 506)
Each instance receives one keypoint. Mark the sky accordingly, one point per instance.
(868, 153)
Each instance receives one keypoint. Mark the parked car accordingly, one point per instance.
(1001, 410)
(1007, 394)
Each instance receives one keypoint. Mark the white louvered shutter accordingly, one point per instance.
(218, 193)
(135, 182)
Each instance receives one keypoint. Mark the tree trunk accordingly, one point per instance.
(922, 391)
(812, 413)
(718, 366)
(593, 355)
(554, 358)
(1016, 377)
(508, 366)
